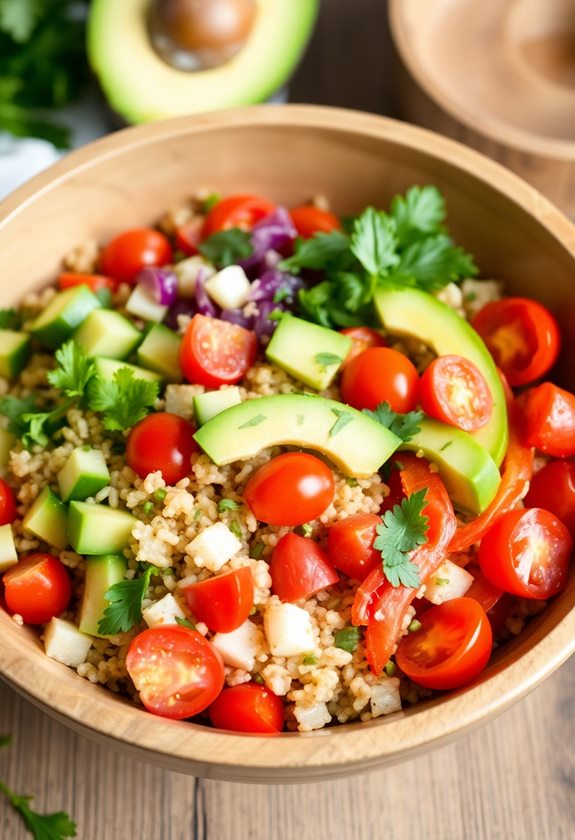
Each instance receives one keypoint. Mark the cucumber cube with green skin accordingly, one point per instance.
(309, 352)
(47, 519)
(84, 474)
(64, 313)
(98, 529)
(107, 333)
(14, 352)
(8, 553)
(160, 351)
(7, 441)
(101, 573)
(211, 403)
(106, 368)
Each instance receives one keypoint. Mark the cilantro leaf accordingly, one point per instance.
(433, 262)
(14, 408)
(402, 530)
(124, 400)
(374, 241)
(325, 360)
(321, 251)
(253, 421)
(405, 426)
(226, 247)
(125, 608)
(313, 303)
(347, 639)
(10, 319)
(225, 505)
(75, 369)
(343, 418)
(419, 212)
(185, 622)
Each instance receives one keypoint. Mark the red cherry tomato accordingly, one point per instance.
(527, 553)
(450, 649)
(454, 390)
(215, 353)
(128, 253)
(38, 588)
(236, 211)
(177, 672)
(350, 545)
(380, 374)
(290, 489)
(522, 336)
(362, 339)
(161, 441)
(95, 282)
(222, 602)
(7, 504)
(189, 236)
(550, 420)
(248, 708)
(300, 567)
(553, 488)
(309, 220)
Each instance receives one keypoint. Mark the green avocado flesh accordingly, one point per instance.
(141, 86)
(419, 314)
(357, 444)
(468, 471)
(102, 572)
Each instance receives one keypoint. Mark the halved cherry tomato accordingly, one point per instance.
(95, 282)
(7, 504)
(215, 353)
(309, 220)
(553, 488)
(38, 588)
(350, 545)
(222, 602)
(248, 708)
(527, 553)
(189, 236)
(161, 441)
(300, 567)
(290, 489)
(481, 590)
(453, 390)
(362, 339)
(128, 253)
(177, 672)
(236, 211)
(522, 336)
(380, 374)
(550, 420)
(450, 649)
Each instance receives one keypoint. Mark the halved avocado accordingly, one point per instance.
(140, 86)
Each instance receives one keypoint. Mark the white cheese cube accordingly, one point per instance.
(452, 296)
(213, 547)
(288, 630)
(240, 647)
(164, 611)
(142, 304)
(312, 717)
(478, 293)
(229, 288)
(448, 582)
(187, 273)
(385, 698)
(8, 554)
(64, 642)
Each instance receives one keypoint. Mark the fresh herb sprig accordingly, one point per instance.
(226, 247)
(125, 608)
(405, 426)
(402, 530)
(123, 401)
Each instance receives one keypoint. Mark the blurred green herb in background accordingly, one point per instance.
(42, 65)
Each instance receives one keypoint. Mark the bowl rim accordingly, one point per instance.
(339, 750)
(489, 126)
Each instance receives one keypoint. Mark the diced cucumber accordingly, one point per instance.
(47, 519)
(142, 305)
(8, 553)
(84, 474)
(106, 368)
(14, 352)
(211, 403)
(311, 353)
(98, 529)
(160, 351)
(64, 313)
(101, 573)
(107, 333)
(7, 441)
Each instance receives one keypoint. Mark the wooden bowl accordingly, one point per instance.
(288, 154)
(498, 76)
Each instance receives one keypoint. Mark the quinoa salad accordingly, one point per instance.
(269, 469)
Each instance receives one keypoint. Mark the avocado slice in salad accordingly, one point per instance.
(420, 315)
(357, 444)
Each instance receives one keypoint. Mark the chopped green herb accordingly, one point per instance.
(469, 297)
(445, 446)
(300, 419)
(352, 482)
(405, 426)
(185, 622)
(125, 608)
(257, 550)
(441, 581)
(124, 401)
(390, 669)
(348, 638)
(414, 626)
(402, 530)
(257, 678)
(343, 418)
(169, 572)
(305, 530)
(10, 319)
(160, 494)
(197, 515)
(225, 505)
(276, 314)
(325, 360)
(227, 247)
(309, 659)
(282, 294)
(147, 507)
(235, 528)
(254, 421)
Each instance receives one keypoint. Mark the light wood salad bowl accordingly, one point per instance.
(289, 154)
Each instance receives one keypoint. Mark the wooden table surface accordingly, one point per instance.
(513, 779)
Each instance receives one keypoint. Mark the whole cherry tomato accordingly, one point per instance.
(128, 253)
(362, 339)
(161, 441)
(380, 374)
(309, 220)
(236, 211)
(550, 420)
(38, 588)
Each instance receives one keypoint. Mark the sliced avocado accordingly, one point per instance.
(160, 351)
(309, 352)
(8, 553)
(14, 352)
(466, 468)
(141, 86)
(55, 324)
(106, 368)
(107, 333)
(7, 441)
(211, 403)
(419, 314)
(84, 474)
(97, 529)
(101, 573)
(47, 519)
(357, 444)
